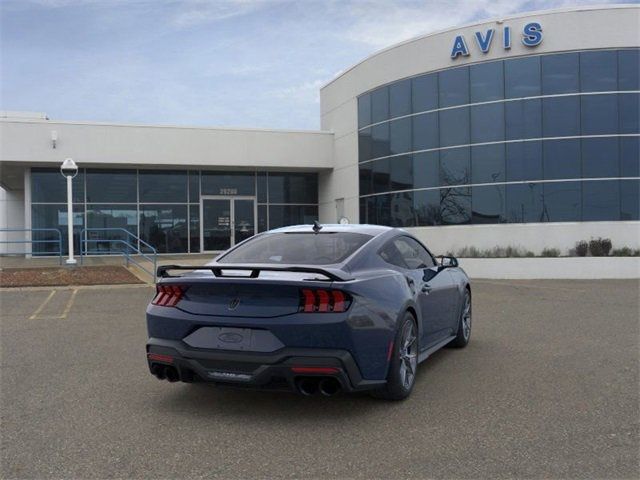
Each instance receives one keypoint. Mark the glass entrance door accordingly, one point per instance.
(226, 221)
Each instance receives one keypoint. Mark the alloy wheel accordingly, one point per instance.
(408, 355)
(466, 316)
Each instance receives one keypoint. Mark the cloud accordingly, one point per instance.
(196, 12)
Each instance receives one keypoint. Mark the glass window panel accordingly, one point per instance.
(285, 215)
(400, 98)
(402, 214)
(261, 183)
(49, 186)
(365, 145)
(599, 114)
(165, 227)
(424, 93)
(426, 204)
(562, 159)
(380, 105)
(380, 140)
(522, 77)
(488, 163)
(228, 183)
(600, 157)
(487, 81)
(454, 87)
(524, 161)
(600, 201)
(400, 136)
(562, 202)
(293, 187)
(599, 71)
(455, 205)
(194, 227)
(454, 166)
(560, 73)
(629, 69)
(425, 131)
(630, 200)
(381, 176)
(454, 127)
(488, 204)
(523, 119)
(366, 186)
(629, 113)
(561, 116)
(380, 209)
(524, 203)
(401, 172)
(194, 186)
(263, 221)
(111, 186)
(364, 110)
(487, 123)
(163, 186)
(426, 170)
(630, 157)
(53, 216)
(115, 218)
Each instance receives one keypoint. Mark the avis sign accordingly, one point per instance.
(531, 37)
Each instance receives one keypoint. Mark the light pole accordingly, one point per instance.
(69, 169)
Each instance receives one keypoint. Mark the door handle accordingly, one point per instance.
(426, 288)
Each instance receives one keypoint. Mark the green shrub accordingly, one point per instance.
(625, 252)
(582, 248)
(550, 252)
(600, 247)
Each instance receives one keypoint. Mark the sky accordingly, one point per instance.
(234, 63)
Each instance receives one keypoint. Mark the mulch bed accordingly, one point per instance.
(60, 276)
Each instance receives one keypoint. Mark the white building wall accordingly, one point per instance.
(11, 216)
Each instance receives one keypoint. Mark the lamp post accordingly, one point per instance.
(69, 169)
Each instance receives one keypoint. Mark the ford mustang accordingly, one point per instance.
(316, 309)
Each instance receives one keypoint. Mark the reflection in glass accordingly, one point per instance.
(380, 105)
(365, 145)
(243, 220)
(560, 73)
(283, 215)
(523, 119)
(599, 71)
(630, 157)
(455, 166)
(366, 178)
(630, 200)
(454, 127)
(488, 204)
(54, 216)
(487, 123)
(194, 227)
(600, 200)
(522, 77)
(165, 227)
(216, 225)
(194, 186)
(562, 202)
(401, 172)
(561, 116)
(454, 87)
(426, 204)
(426, 169)
(629, 112)
(163, 186)
(49, 186)
(111, 186)
(293, 187)
(562, 159)
(424, 92)
(600, 157)
(400, 136)
(524, 161)
(487, 82)
(455, 205)
(629, 69)
(263, 223)
(381, 175)
(380, 140)
(524, 203)
(425, 131)
(400, 98)
(599, 114)
(261, 184)
(488, 163)
(364, 110)
(112, 217)
(402, 214)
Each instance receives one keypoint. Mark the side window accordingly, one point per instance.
(390, 254)
(414, 255)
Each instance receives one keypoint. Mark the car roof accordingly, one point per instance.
(373, 230)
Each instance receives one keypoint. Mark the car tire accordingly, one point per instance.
(464, 323)
(404, 362)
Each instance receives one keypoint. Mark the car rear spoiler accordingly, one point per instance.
(331, 273)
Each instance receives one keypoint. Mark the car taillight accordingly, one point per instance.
(323, 301)
(168, 295)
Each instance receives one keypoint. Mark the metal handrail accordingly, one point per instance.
(32, 241)
(151, 256)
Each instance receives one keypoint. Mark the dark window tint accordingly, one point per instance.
(630, 156)
(426, 205)
(378, 210)
(522, 77)
(163, 186)
(111, 186)
(487, 123)
(165, 227)
(523, 119)
(380, 140)
(629, 70)
(194, 227)
(599, 71)
(629, 112)
(297, 248)
(365, 146)
(488, 204)
(261, 184)
(562, 202)
(599, 114)
(364, 110)
(400, 98)
(426, 168)
(49, 186)
(454, 166)
(560, 73)
(455, 205)
(524, 161)
(561, 116)
(487, 81)
(487, 163)
(53, 216)
(366, 178)
(414, 255)
(381, 175)
(524, 203)
(228, 183)
(400, 135)
(263, 221)
(401, 210)
(454, 127)
(561, 159)
(424, 92)
(194, 186)
(401, 172)
(600, 157)
(425, 131)
(600, 201)
(285, 215)
(630, 200)
(380, 105)
(293, 187)
(454, 87)
(390, 254)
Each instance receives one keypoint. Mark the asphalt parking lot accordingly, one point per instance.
(547, 388)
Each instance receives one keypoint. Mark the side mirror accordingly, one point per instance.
(448, 261)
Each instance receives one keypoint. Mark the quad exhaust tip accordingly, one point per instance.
(327, 386)
(162, 372)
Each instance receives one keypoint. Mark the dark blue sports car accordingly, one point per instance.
(311, 308)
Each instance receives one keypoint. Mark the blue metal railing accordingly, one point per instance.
(132, 247)
(31, 241)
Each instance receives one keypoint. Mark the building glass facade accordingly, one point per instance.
(165, 208)
(541, 138)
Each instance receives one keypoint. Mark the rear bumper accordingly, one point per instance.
(257, 370)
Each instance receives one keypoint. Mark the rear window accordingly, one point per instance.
(298, 248)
